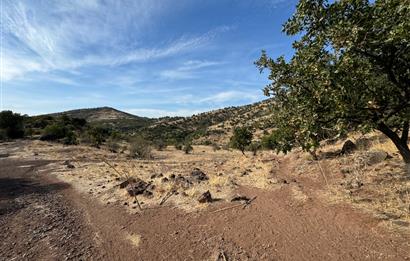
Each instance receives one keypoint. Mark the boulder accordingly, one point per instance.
(348, 147)
(205, 197)
(374, 157)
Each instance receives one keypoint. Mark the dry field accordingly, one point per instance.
(354, 206)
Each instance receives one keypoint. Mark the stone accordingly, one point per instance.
(205, 197)
(240, 198)
(199, 175)
(374, 157)
(348, 147)
(125, 183)
(137, 188)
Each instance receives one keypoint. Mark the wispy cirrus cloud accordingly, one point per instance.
(77, 34)
(189, 70)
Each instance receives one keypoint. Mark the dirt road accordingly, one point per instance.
(42, 218)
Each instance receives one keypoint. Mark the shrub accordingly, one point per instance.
(70, 138)
(188, 147)
(215, 147)
(160, 144)
(276, 141)
(97, 135)
(11, 125)
(112, 145)
(140, 148)
(54, 132)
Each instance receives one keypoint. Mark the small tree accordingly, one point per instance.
(11, 124)
(242, 137)
(350, 71)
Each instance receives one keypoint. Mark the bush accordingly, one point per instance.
(113, 145)
(160, 144)
(54, 132)
(215, 147)
(97, 135)
(188, 147)
(140, 148)
(11, 125)
(70, 138)
(275, 141)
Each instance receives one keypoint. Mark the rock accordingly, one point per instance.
(199, 175)
(70, 166)
(245, 173)
(240, 198)
(348, 147)
(137, 188)
(375, 157)
(164, 180)
(172, 176)
(127, 182)
(205, 197)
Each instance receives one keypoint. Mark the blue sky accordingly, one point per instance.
(147, 57)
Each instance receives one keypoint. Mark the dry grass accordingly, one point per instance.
(225, 170)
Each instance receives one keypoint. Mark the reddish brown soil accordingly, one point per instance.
(42, 218)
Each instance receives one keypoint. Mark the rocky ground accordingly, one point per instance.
(48, 212)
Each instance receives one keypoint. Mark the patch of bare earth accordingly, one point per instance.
(286, 216)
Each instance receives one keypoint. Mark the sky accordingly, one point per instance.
(151, 58)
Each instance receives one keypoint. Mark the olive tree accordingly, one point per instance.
(350, 71)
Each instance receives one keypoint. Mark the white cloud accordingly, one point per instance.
(157, 113)
(231, 96)
(65, 35)
(189, 70)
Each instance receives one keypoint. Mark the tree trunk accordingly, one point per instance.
(401, 144)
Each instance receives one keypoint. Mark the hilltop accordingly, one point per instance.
(97, 114)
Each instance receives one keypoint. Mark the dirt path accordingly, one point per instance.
(41, 218)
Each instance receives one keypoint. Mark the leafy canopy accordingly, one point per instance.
(350, 71)
(242, 137)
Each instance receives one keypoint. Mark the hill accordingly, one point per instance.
(97, 114)
(205, 128)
